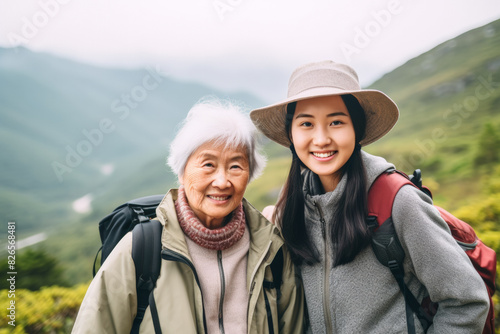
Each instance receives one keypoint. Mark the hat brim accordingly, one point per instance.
(380, 110)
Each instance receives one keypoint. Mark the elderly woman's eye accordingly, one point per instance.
(235, 166)
(208, 164)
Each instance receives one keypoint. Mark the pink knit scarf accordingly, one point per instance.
(217, 239)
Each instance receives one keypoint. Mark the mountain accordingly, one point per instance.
(68, 130)
(445, 96)
(72, 131)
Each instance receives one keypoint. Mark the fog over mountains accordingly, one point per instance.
(68, 130)
(74, 132)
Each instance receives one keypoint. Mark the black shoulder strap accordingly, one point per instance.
(94, 271)
(390, 253)
(277, 271)
(146, 253)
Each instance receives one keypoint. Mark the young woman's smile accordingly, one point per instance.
(324, 156)
(323, 136)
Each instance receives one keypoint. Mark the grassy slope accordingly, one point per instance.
(445, 97)
(429, 91)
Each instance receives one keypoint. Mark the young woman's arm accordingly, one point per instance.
(439, 264)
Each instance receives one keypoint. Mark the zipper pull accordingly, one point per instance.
(323, 228)
(321, 220)
(251, 288)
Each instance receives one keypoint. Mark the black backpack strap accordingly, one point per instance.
(269, 314)
(94, 271)
(146, 253)
(390, 253)
(154, 313)
(398, 273)
(412, 304)
(277, 271)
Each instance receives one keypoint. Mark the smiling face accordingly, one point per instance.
(323, 135)
(215, 179)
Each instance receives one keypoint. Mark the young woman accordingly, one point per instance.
(322, 213)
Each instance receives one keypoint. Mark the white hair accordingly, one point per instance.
(221, 122)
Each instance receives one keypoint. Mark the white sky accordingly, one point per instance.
(251, 45)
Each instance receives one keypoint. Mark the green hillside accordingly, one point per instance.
(69, 129)
(64, 124)
(449, 99)
(446, 97)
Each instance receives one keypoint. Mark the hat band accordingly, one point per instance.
(321, 78)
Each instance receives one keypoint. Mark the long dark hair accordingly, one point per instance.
(349, 233)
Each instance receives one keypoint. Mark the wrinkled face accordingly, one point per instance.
(324, 138)
(215, 179)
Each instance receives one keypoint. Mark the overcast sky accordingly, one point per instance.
(249, 45)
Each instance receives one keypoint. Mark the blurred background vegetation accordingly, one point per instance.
(449, 98)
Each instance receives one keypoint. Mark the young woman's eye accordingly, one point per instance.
(306, 124)
(337, 123)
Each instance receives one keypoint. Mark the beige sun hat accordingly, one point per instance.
(323, 79)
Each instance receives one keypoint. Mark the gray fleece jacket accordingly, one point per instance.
(363, 296)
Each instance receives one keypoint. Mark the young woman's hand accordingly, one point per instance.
(268, 212)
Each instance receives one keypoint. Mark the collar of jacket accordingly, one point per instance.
(265, 237)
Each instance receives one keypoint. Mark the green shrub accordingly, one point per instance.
(49, 310)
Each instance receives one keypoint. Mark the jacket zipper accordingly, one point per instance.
(170, 255)
(222, 291)
(326, 270)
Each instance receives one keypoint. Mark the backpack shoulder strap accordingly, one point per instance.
(277, 270)
(382, 193)
(385, 242)
(146, 253)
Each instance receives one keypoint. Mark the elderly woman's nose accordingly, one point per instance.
(221, 180)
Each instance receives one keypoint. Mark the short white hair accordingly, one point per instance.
(223, 123)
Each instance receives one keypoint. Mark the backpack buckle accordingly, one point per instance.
(141, 215)
(371, 222)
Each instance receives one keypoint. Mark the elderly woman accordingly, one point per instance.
(217, 249)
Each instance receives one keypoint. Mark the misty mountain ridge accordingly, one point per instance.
(72, 131)
(69, 129)
(79, 138)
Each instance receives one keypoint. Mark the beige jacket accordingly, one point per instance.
(111, 302)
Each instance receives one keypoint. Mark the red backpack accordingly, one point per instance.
(390, 253)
